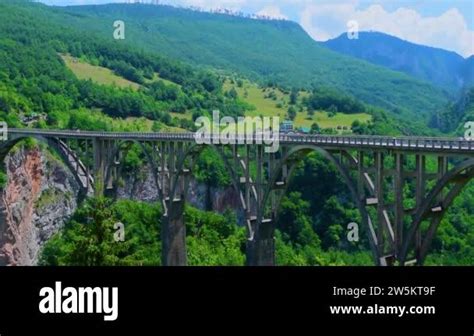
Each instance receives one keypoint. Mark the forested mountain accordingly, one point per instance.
(440, 67)
(455, 115)
(278, 51)
(34, 78)
(468, 71)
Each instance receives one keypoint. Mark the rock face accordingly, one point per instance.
(216, 199)
(139, 187)
(39, 197)
(142, 187)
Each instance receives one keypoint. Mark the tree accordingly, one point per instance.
(212, 170)
(89, 238)
(232, 93)
(293, 97)
(295, 221)
(214, 239)
(315, 129)
(156, 126)
(291, 112)
(360, 128)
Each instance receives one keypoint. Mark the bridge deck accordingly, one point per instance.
(432, 144)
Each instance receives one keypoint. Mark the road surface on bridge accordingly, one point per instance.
(405, 143)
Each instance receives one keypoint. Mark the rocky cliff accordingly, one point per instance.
(141, 187)
(39, 197)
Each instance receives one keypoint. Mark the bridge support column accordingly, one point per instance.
(419, 196)
(261, 249)
(173, 235)
(99, 166)
(398, 208)
(379, 193)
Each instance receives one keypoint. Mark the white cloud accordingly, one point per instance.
(448, 30)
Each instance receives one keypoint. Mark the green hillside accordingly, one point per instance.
(47, 68)
(95, 73)
(271, 102)
(438, 66)
(453, 117)
(277, 51)
(264, 101)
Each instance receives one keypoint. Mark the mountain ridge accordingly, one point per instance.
(441, 67)
(269, 51)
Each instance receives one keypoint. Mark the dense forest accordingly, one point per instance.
(442, 68)
(34, 80)
(453, 117)
(280, 51)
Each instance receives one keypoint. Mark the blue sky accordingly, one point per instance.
(447, 24)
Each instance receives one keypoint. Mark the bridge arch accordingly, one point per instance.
(460, 176)
(121, 149)
(153, 157)
(195, 150)
(302, 151)
(173, 227)
(68, 157)
(295, 154)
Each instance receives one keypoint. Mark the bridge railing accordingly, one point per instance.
(384, 141)
(351, 140)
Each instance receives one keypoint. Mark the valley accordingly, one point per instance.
(62, 64)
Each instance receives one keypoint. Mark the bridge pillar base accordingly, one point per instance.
(261, 249)
(173, 236)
